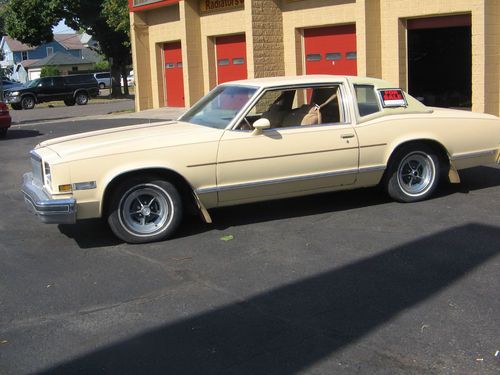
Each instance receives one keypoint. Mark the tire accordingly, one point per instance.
(16, 106)
(81, 98)
(102, 86)
(3, 133)
(28, 102)
(413, 174)
(69, 102)
(145, 209)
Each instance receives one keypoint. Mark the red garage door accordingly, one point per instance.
(331, 50)
(174, 79)
(231, 58)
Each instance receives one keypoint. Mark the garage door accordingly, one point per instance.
(231, 58)
(174, 79)
(331, 50)
(440, 60)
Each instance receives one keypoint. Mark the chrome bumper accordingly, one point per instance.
(48, 210)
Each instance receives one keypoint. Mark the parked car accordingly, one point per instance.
(257, 140)
(72, 89)
(5, 119)
(131, 79)
(103, 80)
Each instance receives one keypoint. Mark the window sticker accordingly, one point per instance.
(393, 98)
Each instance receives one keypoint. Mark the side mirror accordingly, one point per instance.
(260, 125)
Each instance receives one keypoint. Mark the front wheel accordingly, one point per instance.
(16, 106)
(413, 174)
(28, 102)
(69, 102)
(145, 210)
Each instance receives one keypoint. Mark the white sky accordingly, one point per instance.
(61, 28)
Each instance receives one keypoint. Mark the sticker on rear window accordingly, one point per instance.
(393, 98)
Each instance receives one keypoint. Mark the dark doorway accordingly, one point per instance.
(440, 65)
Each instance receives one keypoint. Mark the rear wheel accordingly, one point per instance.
(145, 209)
(102, 85)
(81, 98)
(28, 102)
(3, 133)
(413, 174)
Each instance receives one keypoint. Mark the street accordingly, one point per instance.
(340, 283)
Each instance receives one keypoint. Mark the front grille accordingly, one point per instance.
(36, 166)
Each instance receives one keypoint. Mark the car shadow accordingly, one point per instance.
(21, 133)
(95, 233)
(290, 328)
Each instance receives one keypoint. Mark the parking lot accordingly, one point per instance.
(341, 283)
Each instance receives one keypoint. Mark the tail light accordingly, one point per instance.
(4, 108)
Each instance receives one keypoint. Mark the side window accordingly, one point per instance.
(296, 107)
(367, 99)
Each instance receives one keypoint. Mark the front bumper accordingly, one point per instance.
(13, 99)
(48, 210)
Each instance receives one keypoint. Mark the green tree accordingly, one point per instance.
(31, 22)
(49, 71)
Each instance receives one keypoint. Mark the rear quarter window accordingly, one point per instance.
(367, 99)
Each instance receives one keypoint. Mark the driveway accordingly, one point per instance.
(344, 283)
(60, 111)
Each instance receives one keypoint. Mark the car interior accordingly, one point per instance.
(296, 107)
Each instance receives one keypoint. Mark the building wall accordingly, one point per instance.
(274, 41)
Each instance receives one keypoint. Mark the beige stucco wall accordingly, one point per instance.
(273, 30)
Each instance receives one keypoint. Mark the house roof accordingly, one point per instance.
(69, 41)
(58, 59)
(28, 63)
(16, 46)
(91, 55)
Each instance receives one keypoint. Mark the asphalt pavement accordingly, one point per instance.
(343, 283)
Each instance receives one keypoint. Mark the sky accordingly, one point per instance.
(62, 28)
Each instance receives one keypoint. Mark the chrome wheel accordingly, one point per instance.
(28, 102)
(145, 210)
(81, 99)
(416, 174)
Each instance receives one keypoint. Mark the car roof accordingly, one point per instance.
(311, 79)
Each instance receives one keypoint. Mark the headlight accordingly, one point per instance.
(14, 93)
(47, 175)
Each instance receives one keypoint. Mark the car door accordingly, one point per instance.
(286, 161)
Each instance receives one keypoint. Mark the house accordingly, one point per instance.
(64, 62)
(19, 57)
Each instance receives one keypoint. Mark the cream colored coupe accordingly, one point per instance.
(256, 140)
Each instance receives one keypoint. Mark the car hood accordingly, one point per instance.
(130, 139)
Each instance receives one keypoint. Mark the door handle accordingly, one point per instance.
(347, 136)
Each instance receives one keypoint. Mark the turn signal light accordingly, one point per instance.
(65, 188)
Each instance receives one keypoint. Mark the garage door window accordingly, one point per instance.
(351, 56)
(314, 57)
(333, 56)
(367, 100)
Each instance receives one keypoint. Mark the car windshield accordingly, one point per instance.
(220, 106)
(33, 83)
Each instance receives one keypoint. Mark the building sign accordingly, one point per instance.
(207, 6)
(393, 98)
(148, 4)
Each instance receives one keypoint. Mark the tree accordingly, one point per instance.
(49, 71)
(31, 22)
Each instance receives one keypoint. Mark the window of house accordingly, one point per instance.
(74, 69)
(50, 51)
(24, 55)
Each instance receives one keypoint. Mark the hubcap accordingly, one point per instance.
(416, 173)
(144, 210)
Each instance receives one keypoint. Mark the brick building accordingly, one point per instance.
(446, 52)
